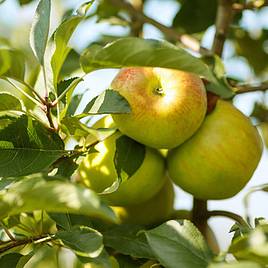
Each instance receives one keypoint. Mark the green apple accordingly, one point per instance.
(218, 161)
(167, 106)
(155, 210)
(97, 171)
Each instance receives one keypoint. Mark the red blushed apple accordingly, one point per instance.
(167, 106)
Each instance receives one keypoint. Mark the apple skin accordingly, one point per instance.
(167, 106)
(155, 210)
(97, 172)
(219, 160)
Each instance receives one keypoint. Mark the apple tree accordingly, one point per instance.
(76, 191)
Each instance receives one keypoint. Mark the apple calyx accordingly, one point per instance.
(159, 91)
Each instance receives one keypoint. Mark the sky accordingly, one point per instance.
(98, 81)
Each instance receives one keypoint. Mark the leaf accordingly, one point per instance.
(252, 246)
(78, 129)
(40, 29)
(129, 156)
(70, 65)
(68, 91)
(134, 51)
(264, 131)
(127, 240)
(66, 220)
(74, 103)
(66, 166)
(9, 102)
(243, 264)
(108, 102)
(25, 2)
(12, 63)
(84, 241)
(59, 43)
(35, 193)
(10, 260)
(102, 261)
(194, 16)
(178, 244)
(26, 146)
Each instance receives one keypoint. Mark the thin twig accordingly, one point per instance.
(223, 20)
(8, 233)
(240, 89)
(186, 40)
(13, 244)
(230, 215)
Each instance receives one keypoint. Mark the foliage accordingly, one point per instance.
(45, 213)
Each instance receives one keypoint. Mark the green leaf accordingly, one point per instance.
(179, 244)
(26, 146)
(252, 246)
(59, 43)
(134, 51)
(25, 2)
(12, 63)
(84, 241)
(66, 166)
(108, 102)
(242, 264)
(196, 15)
(40, 29)
(44, 256)
(10, 260)
(68, 92)
(74, 103)
(35, 193)
(9, 102)
(127, 240)
(102, 261)
(70, 65)
(66, 220)
(129, 156)
(73, 127)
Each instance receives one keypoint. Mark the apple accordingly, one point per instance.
(155, 210)
(219, 160)
(97, 171)
(167, 106)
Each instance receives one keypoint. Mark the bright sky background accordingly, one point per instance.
(100, 80)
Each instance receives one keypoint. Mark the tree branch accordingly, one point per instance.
(250, 5)
(230, 215)
(246, 88)
(186, 40)
(223, 20)
(13, 244)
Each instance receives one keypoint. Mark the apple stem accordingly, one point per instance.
(200, 215)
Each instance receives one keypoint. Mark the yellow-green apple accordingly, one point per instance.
(155, 210)
(219, 160)
(97, 171)
(167, 106)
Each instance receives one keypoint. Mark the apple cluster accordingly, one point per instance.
(209, 155)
